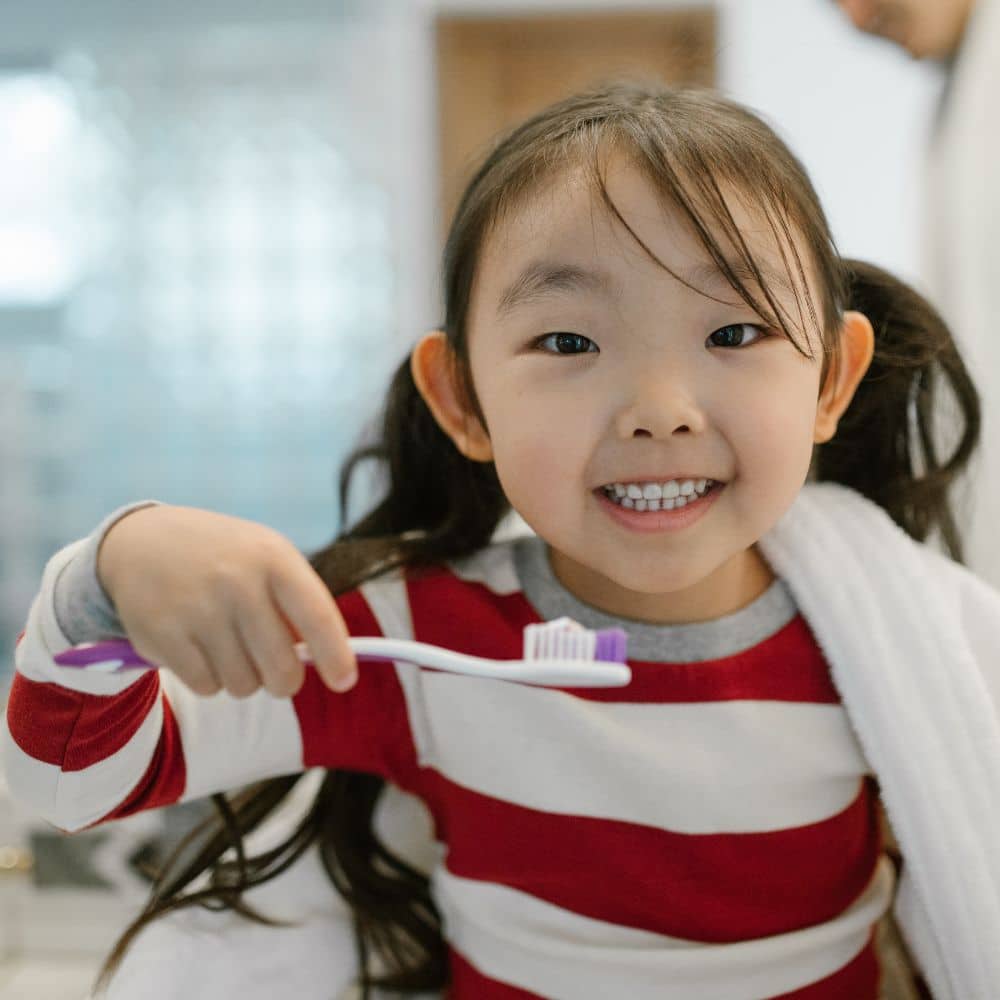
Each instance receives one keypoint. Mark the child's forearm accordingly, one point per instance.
(80, 748)
(63, 730)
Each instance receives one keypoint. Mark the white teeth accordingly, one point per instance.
(658, 496)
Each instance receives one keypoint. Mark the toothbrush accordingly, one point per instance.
(560, 653)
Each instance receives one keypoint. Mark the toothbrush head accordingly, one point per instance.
(566, 639)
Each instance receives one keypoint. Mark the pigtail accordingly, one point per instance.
(439, 505)
(885, 445)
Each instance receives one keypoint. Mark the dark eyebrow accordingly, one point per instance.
(543, 278)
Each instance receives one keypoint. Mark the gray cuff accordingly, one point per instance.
(82, 607)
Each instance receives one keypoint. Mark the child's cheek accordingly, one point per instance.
(539, 462)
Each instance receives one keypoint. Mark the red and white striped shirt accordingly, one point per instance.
(709, 830)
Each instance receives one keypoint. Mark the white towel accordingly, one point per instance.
(913, 642)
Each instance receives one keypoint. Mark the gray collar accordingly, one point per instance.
(711, 640)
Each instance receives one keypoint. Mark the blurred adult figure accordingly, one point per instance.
(927, 29)
(961, 250)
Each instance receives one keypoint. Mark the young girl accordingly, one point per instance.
(720, 433)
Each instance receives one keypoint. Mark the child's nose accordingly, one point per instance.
(659, 404)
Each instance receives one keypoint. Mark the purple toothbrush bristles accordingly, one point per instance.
(611, 644)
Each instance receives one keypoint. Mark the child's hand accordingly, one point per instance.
(221, 602)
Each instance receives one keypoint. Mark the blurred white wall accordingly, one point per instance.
(855, 109)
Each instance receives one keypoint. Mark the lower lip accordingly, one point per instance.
(659, 520)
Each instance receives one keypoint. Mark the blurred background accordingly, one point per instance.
(220, 225)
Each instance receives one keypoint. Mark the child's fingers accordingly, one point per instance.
(269, 643)
(230, 661)
(311, 611)
(198, 674)
(182, 656)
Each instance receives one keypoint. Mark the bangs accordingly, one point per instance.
(693, 187)
(705, 156)
(690, 180)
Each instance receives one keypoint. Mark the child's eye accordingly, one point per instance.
(576, 343)
(733, 333)
(568, 343)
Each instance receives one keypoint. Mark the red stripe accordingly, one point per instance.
(858, 980)
(711, 887)
(41, 717)
(74, 730)
(366, 728)
(787, 666)
(467, 616)
(468, 983)
(164, 780)
(471, 618)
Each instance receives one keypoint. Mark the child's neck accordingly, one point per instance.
(732, 587)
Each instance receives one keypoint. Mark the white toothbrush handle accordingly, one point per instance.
(554, 671)
(568, 673)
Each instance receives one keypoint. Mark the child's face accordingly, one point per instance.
(647, 396)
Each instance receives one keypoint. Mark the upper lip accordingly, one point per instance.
(659, 478)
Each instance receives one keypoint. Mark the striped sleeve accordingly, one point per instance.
(82, 748)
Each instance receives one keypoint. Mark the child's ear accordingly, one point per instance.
(857, 344)
(433, 367)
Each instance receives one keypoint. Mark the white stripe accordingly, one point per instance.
(523, 941)
(30, 782)
(386, 598)
(511, 526)
(493, 567)
(706, 767)
(229, 742)
(73, 799)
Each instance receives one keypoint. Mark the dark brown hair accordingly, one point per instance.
(690, 143)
